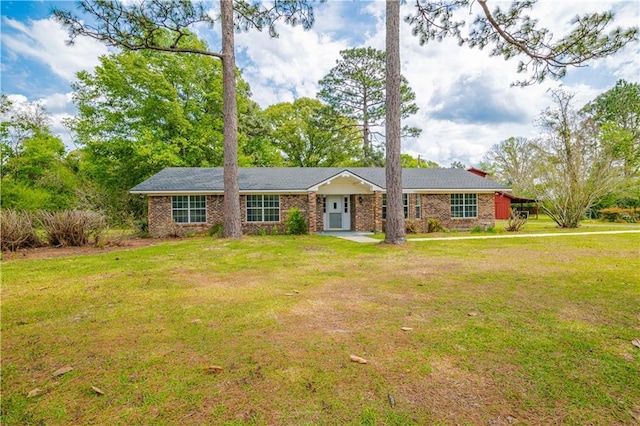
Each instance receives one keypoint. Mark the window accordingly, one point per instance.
(263, 208)
(418, 207)
(189, 208)
(464, 205)
(405, 202)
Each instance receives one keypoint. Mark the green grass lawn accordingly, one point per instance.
(542, 225)
(548, 340)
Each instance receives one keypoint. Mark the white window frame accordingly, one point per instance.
(464, 206)
(418, 207)
(195, 208)
(256, 205)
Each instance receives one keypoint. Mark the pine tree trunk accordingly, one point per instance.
(395, 230)
(231, 225)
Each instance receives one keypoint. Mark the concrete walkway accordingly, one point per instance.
(363, 238)
(357, 237)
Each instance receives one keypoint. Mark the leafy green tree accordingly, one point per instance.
(616, 112)
(409, 161)
(513, 163)
(355, 87)
(310, 134)
(34, 172)
(574, 169)
(19, 122)
(142, 111)
(164, 26)
(512, 33)
(37, 177)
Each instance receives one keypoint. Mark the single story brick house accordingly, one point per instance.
(331, 198)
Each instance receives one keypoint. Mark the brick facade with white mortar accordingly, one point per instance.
(366, 213)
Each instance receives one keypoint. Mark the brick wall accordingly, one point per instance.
(438, 206)
(319, 213)
(161, 223)
(159, 214)
(287, 201)
(366, 215)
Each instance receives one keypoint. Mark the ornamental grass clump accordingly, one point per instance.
(17, 230)
(71, 227)
(516, 222)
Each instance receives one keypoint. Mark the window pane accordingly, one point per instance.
(470, 211)
(254, 215)
(254, 201)
(405, 205)
(180, 216)
(198, 216)
(384, 206)
(272, 215)
(180, 202)
(198, 202)
(272, 201)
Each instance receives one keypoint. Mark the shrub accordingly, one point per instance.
(295, 223)
(17, 230)
(215, 230)
(170, 230)
(620, 215)
(433, 225)
(71, 227)
(516, 222)
(141, 227)
(112, 237)
(412, 226)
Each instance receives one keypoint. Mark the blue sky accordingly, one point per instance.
(465, 97)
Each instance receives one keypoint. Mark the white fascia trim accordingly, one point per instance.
(166, 193)
(450, 191)
(345, 174)
(158, 193)
(276, 191)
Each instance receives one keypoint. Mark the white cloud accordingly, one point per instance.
(44, 41)
(289, 66)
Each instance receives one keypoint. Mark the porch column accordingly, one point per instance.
(377, 211)
(311, 212)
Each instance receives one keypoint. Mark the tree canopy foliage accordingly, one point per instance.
(35, 174)
(142, 111)
(513, 162)
(356, 88)
(310, 134)
(616, 112)
(575, 169)
(513, 33)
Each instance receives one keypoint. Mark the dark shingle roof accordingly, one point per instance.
(194, 179)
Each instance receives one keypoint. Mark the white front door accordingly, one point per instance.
(337, 213)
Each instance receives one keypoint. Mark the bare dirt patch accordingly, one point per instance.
(49, 252)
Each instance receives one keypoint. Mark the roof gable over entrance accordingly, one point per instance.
(345, 183)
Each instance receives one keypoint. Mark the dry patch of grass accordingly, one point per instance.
(500, 331)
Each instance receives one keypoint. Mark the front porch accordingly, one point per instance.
(347, 202)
